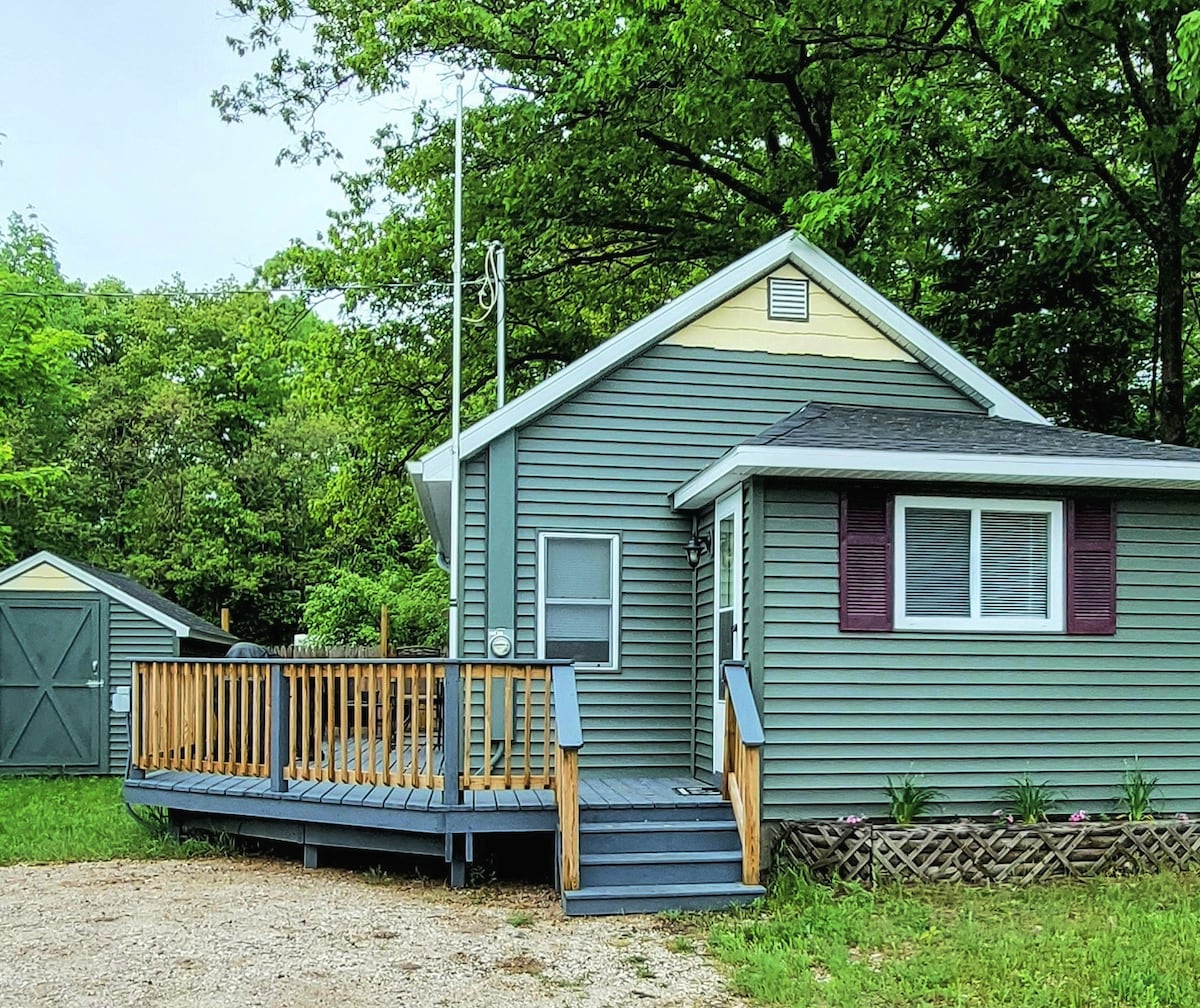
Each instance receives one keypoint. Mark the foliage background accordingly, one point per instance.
(1020, 176)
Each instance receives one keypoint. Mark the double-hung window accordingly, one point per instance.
(578, 593)
(978, 564)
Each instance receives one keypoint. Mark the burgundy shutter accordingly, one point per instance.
(865, 561)
(1091, 567)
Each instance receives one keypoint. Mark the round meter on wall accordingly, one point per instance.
(500, 643)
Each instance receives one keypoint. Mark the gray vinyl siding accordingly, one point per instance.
(842, 711)
(704, 655)
(607, 460)
(130, 635)
(474, 598)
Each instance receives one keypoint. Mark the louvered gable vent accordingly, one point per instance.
(787, 298)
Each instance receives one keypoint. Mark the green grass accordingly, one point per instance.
(53, 819)
(1117, 943)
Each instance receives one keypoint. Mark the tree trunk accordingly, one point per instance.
(1168, 326)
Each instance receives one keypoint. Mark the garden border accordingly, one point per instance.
(974, 852)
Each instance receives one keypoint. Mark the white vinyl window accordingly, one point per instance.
(979, 564)
(578, 592)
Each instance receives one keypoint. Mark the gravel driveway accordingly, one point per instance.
(238, 932)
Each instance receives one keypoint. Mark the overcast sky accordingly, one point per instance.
(110, 136)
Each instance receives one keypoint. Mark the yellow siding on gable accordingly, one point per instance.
(45, 577)
(832, 329)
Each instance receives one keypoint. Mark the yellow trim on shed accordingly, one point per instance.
(45, 577)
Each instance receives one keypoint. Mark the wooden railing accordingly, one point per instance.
(569, 740)
(204, 716)
(741, 779)
(438, 724)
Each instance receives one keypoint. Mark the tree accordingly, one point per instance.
(620, 152)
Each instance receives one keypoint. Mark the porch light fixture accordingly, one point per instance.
(697, 546)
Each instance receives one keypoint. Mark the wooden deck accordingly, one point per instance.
(321, 815)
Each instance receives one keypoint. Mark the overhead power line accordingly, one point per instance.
(335, 289)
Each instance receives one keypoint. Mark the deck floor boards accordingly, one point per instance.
(381, 806)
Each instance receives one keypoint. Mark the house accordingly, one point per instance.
(774, 535)
(68, 635)
(920, 572)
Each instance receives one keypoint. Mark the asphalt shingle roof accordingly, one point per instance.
(139, 591)
(820, 425)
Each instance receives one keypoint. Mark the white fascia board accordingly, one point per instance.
(427, 492)
(909, 333)
(836, 463)
(45, 556)
(610, 354)
(705, 296)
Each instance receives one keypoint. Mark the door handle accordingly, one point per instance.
(96, 682)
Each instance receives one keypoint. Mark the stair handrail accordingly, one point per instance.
(741, 771)
(568, 736)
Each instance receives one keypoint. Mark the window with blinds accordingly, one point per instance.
(979, 564)
(578, 585)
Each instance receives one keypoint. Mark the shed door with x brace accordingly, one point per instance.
(51, 684)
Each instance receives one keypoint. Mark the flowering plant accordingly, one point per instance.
(1080, 816)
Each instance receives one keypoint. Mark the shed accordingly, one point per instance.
(68, 634)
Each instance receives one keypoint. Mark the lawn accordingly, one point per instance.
(1109, 942)
(48, 819)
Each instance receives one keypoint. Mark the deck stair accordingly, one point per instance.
(658, 853)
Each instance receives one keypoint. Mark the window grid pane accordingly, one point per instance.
(578, 599)
(578, 568)
(1014, 575)
(937, 574)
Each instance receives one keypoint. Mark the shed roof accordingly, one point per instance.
(849, 442)
(134, 594)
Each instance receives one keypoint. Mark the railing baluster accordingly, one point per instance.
(428, 700)
(509, 715)
(453, 709)
(527, 776)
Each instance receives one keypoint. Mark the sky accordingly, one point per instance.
(109, 135)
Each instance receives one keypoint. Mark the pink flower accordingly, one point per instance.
(1080, 816)
(1009, 819)
(853, 820)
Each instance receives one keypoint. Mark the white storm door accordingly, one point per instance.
(727, 606)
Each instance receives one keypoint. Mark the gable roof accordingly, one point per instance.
(432, 473)
(825, 441)
(135, 595)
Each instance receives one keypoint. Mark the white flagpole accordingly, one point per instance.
(456, 390)
(501, 349)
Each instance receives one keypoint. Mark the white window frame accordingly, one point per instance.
(614, 553)
(976, 623)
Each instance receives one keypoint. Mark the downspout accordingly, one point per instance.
(695, 674)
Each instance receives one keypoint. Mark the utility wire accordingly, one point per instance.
(338, 289)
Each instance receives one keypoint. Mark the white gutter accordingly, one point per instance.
(837, 463)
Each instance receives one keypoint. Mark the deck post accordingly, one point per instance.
(452, 737)
(280, 743)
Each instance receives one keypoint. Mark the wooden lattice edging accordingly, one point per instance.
(984, 852)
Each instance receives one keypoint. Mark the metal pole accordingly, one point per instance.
(456, 384)
(500, 333)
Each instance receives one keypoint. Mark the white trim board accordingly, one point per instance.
(962, 467)
(97, 584)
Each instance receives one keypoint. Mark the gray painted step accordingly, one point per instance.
(657, 836)
(630, 899)
(692, 812)
(665, 868)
